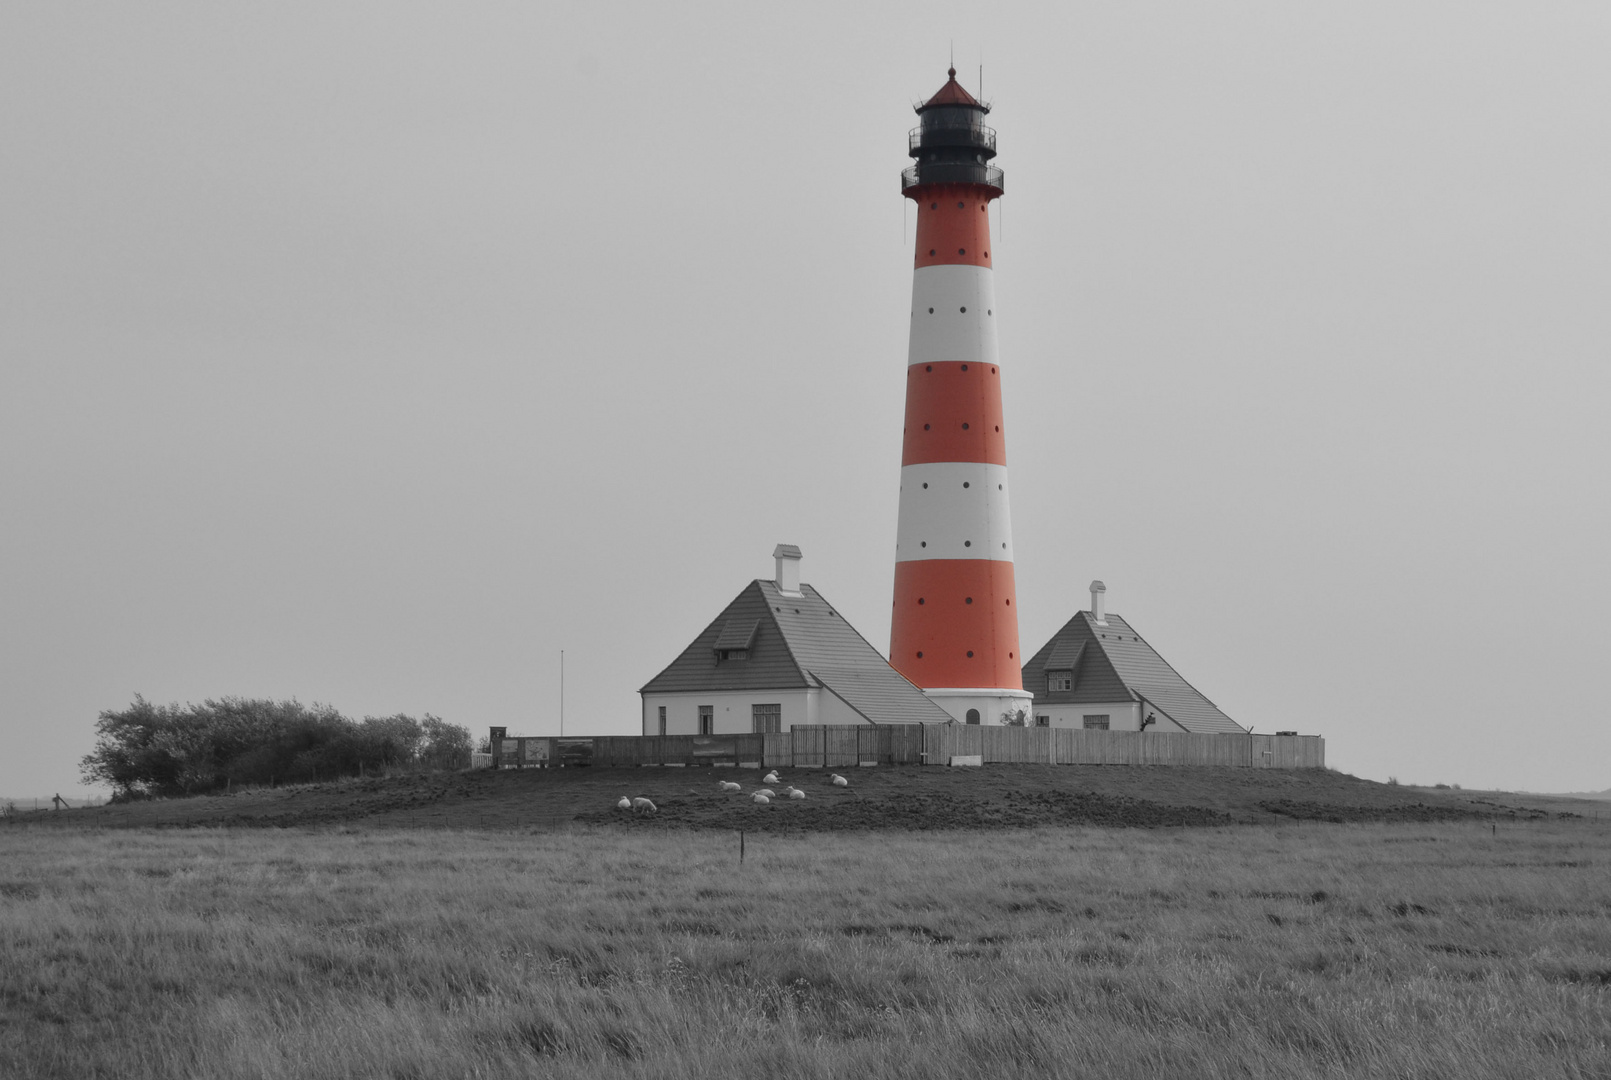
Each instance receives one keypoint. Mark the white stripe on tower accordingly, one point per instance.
(953, 314)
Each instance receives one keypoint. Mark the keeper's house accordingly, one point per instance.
(1097, 672)
(780, 655)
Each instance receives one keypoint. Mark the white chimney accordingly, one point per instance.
(787, 558)
(1099, 607)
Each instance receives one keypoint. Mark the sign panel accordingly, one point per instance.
(574, 751)
(536, 752)
(715, 746)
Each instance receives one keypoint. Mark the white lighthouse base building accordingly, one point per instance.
(983, 705)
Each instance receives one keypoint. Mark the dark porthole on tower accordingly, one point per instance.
(920, 656)
(925, 488)
(967, 543)
(964, 428)
(931, 251)
(931, 312)
(925, 427)
(920, 601)
(964, 483)
(930, 367)
(964, 366)
(962, 251)
(970, 654)
(969, 600)
(961, 206)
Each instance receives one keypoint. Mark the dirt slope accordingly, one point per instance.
(992, 797)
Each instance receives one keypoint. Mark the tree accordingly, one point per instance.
(172, 750)
(444, 745)
(131, 753)
(1015, 718)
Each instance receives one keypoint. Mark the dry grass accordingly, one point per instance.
(1327, 951)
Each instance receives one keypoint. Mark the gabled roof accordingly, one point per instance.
(796, 642)
(1117, 664)
(952, 94)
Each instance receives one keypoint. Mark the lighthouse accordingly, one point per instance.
(955, 627)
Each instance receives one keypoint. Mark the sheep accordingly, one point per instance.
(641, 805)
(840, 781)
(796, 793)
(624, 804)
(760, 798)
(790, 790)
(728, 785)
(768, 792)
(771, 778)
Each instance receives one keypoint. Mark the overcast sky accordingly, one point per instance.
(373, 354)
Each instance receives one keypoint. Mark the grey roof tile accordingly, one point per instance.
(1118, 663)
(799, 641)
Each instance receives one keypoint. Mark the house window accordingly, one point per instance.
(707, 719)
(1059, 680)
(1043, 721)
(662, 719)
(1096, 723)
(973, 716)
(767, 718)
(735, 654)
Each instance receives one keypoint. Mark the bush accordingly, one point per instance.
(148, 750)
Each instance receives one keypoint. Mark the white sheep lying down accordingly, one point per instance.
(760, 798)
(839, 781)
(624, 804)
(728, 785)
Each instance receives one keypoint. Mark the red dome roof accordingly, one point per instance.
(951, 94)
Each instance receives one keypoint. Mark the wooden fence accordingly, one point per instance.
(1066, 746)
(821, 746)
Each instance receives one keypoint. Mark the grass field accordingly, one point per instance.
(1436, 949)
(992, 797)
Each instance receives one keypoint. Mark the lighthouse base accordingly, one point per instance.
(987, 705)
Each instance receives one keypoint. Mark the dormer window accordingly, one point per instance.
(736, 639)
(1059, 681)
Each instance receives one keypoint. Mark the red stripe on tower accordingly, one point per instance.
(955, 626)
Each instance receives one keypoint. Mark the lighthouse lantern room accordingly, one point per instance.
(955, 627)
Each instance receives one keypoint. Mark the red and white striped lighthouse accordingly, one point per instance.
(955, 626)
